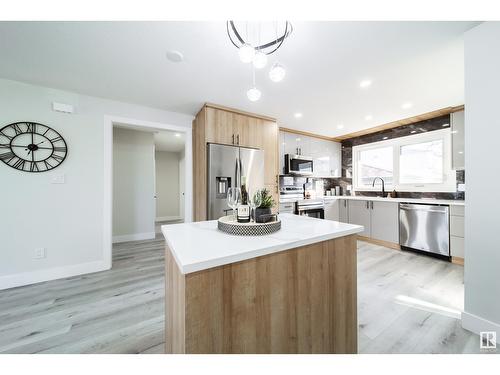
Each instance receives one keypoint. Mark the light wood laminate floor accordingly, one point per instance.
(407, 303)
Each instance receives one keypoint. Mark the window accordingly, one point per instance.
(376, 162)
(419, 162)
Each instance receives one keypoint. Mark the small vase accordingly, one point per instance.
(261, 211)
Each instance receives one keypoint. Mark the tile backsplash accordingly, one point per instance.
(437, 123)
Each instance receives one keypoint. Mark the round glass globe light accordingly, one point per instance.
(277, 72)
(246, 53)
(253, 94)
(259, 60)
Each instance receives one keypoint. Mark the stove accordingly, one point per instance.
(311, 207)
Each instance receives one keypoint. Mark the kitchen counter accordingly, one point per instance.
(293, 291)
(200, 245)
(380, 199)
(406, 200)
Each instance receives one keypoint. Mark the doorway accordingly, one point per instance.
(135, 135)
(169, 158)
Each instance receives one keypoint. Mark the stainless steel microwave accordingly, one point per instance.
(298, 164)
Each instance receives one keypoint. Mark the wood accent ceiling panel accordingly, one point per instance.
(406, 121)
(297, 301)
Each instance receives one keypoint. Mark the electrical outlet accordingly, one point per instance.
(461, 187)
(58, 179)
(40, 253)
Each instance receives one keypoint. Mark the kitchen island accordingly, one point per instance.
(293, 291)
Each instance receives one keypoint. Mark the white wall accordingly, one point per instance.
(133, 185)
(167, 185)
(482, 215)
(65, 219)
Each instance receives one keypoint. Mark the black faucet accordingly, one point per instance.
(383, 185)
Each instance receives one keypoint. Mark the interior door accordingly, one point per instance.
(359, 213)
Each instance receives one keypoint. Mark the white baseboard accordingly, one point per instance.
(168, 218)
(477, 324)
(134, 237)
(27, 278)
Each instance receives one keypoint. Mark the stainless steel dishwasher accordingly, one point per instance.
(425, 227)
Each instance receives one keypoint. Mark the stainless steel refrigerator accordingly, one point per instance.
(226, 166)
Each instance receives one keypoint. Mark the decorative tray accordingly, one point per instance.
(229, 225)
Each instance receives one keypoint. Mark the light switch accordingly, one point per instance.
(61, 107)
(40, 253)
(58, 179)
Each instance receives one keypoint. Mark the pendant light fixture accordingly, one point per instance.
(253, 94)
(255, 49)
(277, 72)
(246, 53)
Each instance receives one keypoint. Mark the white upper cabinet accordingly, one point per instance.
(458, 140)
(326, 154)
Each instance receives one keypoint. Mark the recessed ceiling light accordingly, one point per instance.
(177, 134)
(365, 83)
(175, 56)
(460, 152)
(297, 115)
(407, 105)
(368, 117)
(297, 139)
(340, 126)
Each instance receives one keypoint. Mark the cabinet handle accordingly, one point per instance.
(238, 139)
(372, 204)
(233, 139)
(367, 205)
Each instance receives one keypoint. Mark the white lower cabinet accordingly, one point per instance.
(344, 211)
(359, 213)
(332, 209)
(457, 231)
(385, 221)
(380, 219)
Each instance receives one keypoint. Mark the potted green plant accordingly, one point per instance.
(266, 204)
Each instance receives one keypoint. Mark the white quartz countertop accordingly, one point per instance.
(407, 200)
(380, 199)
(200, 245)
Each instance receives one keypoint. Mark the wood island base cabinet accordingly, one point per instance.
(301, 300)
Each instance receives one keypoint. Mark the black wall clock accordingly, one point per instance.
(31, 147)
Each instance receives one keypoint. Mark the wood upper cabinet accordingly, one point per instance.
(220, 126)
(217, 124)
(270, 134)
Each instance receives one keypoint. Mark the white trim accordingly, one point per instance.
(168, 218)
(109, 121)
(33, 277)
(449, 175)
(134, 237)
(477, 324)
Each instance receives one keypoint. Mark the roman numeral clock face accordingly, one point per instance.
(31, 147)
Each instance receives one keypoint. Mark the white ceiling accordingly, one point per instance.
(417, 62)
(169, 141)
